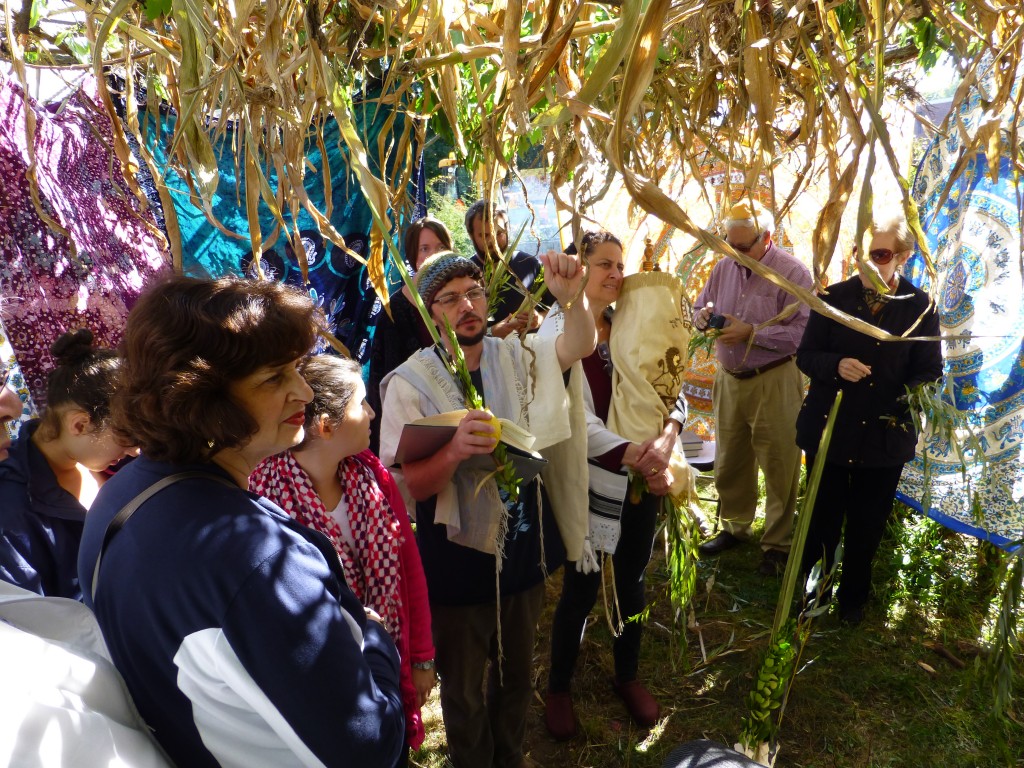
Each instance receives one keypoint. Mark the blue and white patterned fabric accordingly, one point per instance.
(975, 239)
(9, 361)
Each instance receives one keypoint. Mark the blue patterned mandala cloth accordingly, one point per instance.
(975, 240)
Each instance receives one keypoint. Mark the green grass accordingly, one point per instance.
(871, 696)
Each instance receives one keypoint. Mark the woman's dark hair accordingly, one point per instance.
(591, 240)
(333, 380)
(186, 341)
(84, 377)
(412, 237)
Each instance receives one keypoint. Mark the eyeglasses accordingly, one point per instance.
(605, 353)
(744, 248)
(881, 255)
(451, 299)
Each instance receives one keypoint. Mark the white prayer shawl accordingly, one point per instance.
(603, 491)
(565, 476)
(525, 388)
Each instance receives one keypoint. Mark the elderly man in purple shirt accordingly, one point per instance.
(758, 389)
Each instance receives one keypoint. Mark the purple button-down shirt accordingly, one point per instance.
(753, 300)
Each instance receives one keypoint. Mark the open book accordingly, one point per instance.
(425, 437)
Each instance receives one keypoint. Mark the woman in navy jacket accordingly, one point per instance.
(874, 434)
(231, 624)
(55, 469)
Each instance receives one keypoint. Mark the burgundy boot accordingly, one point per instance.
(641, 706)
(559, 716)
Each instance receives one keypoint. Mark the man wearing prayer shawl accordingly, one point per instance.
(483, 555)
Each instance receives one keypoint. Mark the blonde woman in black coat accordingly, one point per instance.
(874, 434)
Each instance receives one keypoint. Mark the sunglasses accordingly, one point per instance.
(744, 248)
(881, 255)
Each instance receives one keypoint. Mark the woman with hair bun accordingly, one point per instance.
(398, 337)
(55, 468)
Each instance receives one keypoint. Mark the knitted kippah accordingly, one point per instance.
(436, 271)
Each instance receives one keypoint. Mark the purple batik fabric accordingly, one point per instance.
(47, 290)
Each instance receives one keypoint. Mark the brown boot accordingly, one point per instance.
(641, 706)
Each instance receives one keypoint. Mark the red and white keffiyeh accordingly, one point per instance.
(372, 566)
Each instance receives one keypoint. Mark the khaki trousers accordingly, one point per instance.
(755, 426)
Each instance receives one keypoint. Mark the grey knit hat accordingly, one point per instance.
(439, 270)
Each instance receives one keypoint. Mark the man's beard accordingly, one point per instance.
(469, 341)
(489, 253)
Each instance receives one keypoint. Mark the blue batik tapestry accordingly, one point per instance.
(338, 283)
(975, 238)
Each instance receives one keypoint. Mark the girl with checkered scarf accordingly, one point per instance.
(333, 483)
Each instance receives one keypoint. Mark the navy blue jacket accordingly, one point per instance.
(873, 427)
(235, 631)
(40, 523)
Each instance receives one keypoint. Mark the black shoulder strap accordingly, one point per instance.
(117, 521)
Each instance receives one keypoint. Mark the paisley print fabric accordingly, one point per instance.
(49, 286)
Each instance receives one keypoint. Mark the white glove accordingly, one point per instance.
(588, 560)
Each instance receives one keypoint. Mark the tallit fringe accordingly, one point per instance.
(499, 556)
(615, 625)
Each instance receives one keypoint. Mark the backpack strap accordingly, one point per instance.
(117, 521)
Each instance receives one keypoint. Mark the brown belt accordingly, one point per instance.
(749, 374)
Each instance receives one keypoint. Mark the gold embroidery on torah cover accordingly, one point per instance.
(649, 339)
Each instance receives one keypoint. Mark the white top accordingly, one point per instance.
(340, 516)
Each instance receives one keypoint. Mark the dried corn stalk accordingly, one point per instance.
(647, 89)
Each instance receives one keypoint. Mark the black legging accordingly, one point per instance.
(863, 498)
(579, 593)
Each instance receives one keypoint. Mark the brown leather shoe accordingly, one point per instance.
(642, 707)
(559, 716)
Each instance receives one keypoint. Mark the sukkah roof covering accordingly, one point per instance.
(647, 89)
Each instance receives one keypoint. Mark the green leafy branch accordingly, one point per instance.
(497, 275)
(682, 536)
(789, 636)
(769, 693)
(505, 471)
(1000, 667)
(702, 340)
(936, 416)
